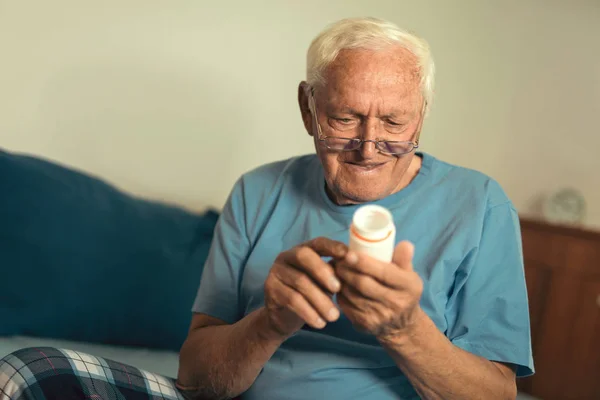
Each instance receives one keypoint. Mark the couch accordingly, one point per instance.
(86, 266)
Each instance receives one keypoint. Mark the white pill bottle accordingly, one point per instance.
(373, 232)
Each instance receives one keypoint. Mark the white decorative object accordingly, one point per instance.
(566, 206)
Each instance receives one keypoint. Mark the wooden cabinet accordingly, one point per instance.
(562, 268)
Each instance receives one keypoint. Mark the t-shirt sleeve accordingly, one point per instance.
(218, 293)
(489, 302)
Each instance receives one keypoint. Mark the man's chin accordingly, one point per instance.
(348, 197)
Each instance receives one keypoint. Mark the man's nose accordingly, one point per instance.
(368, 150)
(369, 132)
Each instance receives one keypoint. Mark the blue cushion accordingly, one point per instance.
(81, 260)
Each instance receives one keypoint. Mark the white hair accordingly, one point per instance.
(372, 34)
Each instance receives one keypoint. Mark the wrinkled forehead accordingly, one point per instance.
(390, 73)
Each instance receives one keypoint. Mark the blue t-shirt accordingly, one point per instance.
(467, 252)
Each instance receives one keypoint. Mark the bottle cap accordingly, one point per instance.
(372, 223)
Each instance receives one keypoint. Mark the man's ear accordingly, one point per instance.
(305, 109)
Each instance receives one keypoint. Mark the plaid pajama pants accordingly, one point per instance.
(47, 373)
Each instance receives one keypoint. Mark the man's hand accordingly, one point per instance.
(377, 297)
(300, 285)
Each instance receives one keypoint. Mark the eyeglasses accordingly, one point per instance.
(390, 147)
(385, 146)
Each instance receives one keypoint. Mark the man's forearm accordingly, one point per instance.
(438, 369)
(220, 362)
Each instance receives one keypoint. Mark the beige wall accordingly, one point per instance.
(175, 99)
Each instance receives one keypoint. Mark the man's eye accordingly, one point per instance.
(344, 120)
(395, 127)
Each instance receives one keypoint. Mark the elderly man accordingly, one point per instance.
(286, 311)
(446, 319)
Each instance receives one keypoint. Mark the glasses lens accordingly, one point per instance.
(388, 147)
(396, 147)
(341, 144)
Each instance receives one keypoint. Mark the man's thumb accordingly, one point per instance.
(403, 254)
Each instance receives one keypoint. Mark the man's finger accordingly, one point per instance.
(403, 255)
(365, 285)
(389, 274)
(350, 298)
(326, 247)
(307, 260)
(314, 295)
(287, 297)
